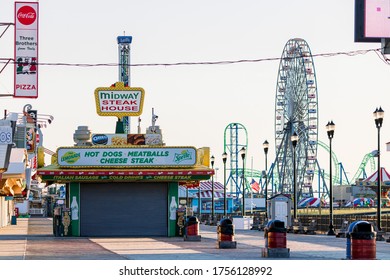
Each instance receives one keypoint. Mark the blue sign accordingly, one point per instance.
(124, 39)
(5, 135)
(218, 205)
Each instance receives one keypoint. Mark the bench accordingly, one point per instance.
(343, 230)
(311, 228)
(297, 226)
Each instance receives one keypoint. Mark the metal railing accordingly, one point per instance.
(322, 221)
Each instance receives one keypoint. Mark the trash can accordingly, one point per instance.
(15, 216)
(192, 226)
(191, 229)
(363, 241)
(275, 234)
(225, 230)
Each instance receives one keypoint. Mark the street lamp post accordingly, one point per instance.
(242, 152)
(294, 141)
(224, 158)
(266, 146)
(378, 116)
(212, 190)
(330, 128)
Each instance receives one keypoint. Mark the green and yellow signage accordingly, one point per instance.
(126, 157)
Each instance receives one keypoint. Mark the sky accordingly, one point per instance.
(195, 103)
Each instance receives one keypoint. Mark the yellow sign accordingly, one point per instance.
(119, 100)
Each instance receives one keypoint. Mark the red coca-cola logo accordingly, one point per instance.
(26, 15)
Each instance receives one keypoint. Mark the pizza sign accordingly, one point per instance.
(26, 50)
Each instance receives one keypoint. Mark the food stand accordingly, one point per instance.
(124, 184)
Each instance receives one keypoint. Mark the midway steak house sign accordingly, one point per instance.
(75, 157)
(26, 50)
(119, 100)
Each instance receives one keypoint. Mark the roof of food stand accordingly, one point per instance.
(205, 189)
(207, 185)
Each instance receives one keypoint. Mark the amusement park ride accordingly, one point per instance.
(296, 111)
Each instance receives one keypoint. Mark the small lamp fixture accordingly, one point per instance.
(265, 146)
(243, 152)
(330, 128)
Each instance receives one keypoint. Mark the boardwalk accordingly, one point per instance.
(32, 239)
(28, 249)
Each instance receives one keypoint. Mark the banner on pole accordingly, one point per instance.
(26, 50)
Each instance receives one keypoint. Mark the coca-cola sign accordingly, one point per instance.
(26, 49)
(26, 15)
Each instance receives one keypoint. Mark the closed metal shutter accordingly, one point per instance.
(123, 209)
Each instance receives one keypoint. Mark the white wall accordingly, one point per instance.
(23, 207)
(257, 202)
(5, 211)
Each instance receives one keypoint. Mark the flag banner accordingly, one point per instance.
(26, 50)
(255, 186)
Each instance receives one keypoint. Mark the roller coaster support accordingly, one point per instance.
(342, 171)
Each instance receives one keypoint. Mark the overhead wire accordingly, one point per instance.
(382, 57)
(378, 51)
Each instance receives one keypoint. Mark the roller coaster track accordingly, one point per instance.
(249, 175)
(258, 176)
(368, 158)
(336, 176)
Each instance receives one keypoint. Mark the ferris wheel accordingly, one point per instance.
(296, 111)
